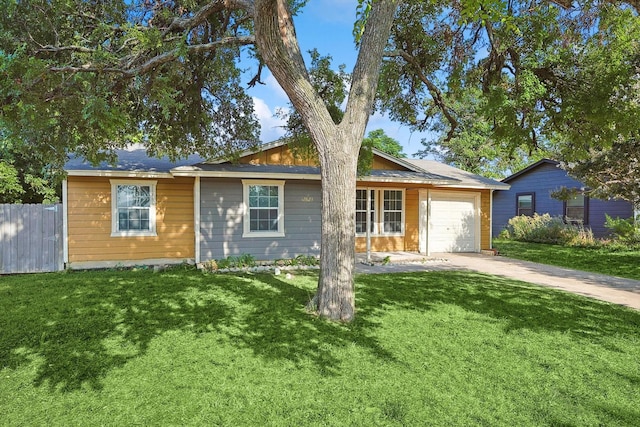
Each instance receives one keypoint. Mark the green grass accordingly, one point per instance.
(621, 263)
(120, 348)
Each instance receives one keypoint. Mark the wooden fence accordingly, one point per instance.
(31, 238)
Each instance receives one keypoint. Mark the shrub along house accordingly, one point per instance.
(145, 210)
(531, 190)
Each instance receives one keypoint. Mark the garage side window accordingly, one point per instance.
(525, 204)
(264, 208)
(133, 208)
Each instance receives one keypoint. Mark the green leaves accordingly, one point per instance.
(87, 78)
(362, 14)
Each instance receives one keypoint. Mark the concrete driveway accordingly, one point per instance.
(606, 288)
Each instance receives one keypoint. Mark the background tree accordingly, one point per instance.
(473, 146)
(503, 83)
(383, 142)
(26, 178)
(612, 172)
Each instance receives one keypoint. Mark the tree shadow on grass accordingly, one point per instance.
(520, 305)
(77, 327)
(82, 325)
(279, 327)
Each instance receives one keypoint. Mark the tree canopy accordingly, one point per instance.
(85, 77)
(504, 83)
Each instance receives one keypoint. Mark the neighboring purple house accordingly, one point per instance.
(531, 192)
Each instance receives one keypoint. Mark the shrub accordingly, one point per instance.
(547, 229)
(625, 230)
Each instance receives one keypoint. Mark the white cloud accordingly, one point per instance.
(271, 127)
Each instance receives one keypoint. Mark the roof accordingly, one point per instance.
(304, 172)
(129, 163)
(529, 168)
(465, 179)
(136, 163)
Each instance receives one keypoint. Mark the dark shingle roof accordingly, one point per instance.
(133, 161)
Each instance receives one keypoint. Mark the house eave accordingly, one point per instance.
(119, 174)
(191, 172)
(481, 187)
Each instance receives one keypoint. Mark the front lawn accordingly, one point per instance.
(120, 348)
(621, 263)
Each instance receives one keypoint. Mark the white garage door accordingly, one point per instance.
(453, 223)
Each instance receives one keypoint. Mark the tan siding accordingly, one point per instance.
(381, 244)
(284, 156)
(485, 219)
(383, 164)
(89, 222)
(278, 156)
(411, 223)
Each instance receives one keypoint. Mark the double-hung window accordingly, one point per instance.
(386, 211)
(525, 204)
(133, 205)
(575, 210)
(392, 208)
(361, 211)
(264, 208)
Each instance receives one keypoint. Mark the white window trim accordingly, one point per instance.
(378, 228)
(245, 208)
(114, 208)
(382, 211)
(375, 211)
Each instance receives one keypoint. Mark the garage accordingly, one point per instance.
(453, 222)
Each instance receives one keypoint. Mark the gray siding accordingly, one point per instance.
(221, 222)
(542, 180)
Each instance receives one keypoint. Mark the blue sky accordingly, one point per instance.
(326, 25)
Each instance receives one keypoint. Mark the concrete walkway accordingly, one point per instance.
(606, 288)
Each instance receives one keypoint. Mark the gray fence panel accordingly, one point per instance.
(31, 238)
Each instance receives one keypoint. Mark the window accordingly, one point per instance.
(575, 210)
(525, 204)
(361, 211)
(133, 208)
(387, 211)
(264, 208)
(392, 211)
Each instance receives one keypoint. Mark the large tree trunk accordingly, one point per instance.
(336, 298)
(337, 145)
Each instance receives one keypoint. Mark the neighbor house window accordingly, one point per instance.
(576, 210)
(525, 204)
(133, 206)
(264, 208)
(387, 211)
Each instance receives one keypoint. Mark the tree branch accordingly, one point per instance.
(367, 69)
(436, 93)
(54, 49)
(157, 60)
